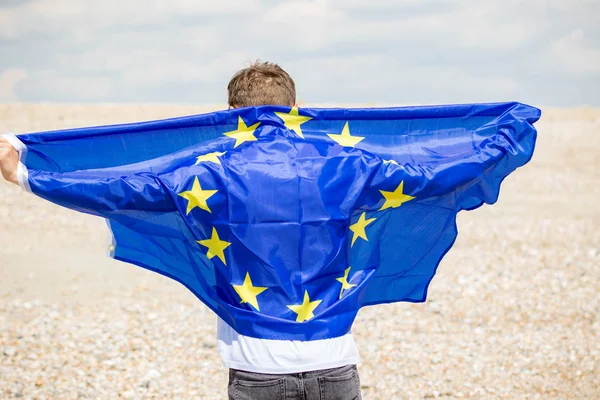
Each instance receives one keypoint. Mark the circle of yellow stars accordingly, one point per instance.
(197, 197)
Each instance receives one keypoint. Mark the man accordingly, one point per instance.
(253, 361)
(357, 207)
(259, 368)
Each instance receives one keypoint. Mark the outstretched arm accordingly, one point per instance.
(469, 167)
(102, 192)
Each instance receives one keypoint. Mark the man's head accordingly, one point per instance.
(262, 83)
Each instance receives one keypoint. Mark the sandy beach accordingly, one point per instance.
(513, 312)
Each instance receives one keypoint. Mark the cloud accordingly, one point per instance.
(85, 16)
(383, 83)
(346, 51)
(572, 52)
(9, 78)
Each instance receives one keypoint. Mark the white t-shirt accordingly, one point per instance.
(283, 356)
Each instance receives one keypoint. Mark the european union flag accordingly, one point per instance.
(285, 222)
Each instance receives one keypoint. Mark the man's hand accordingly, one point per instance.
(9, 160)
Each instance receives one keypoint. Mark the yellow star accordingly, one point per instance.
(305, 310)
(344, 139)
(344, 281)
(243, 133)
(248, 292)
(210, 157)
(359, 228)
(396, 198)
(197, 197)
(215, 246)
(293, 120)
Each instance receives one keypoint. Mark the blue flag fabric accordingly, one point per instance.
(285, 222)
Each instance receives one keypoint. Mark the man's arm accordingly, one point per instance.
(470, 168)
(9, 161)
(102, 192)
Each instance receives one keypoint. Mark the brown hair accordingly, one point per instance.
(262, 83)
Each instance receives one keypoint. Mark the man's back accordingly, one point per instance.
(276, 229)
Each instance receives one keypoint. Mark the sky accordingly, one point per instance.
(394, 52)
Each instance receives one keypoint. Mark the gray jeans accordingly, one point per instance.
(328, 384)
